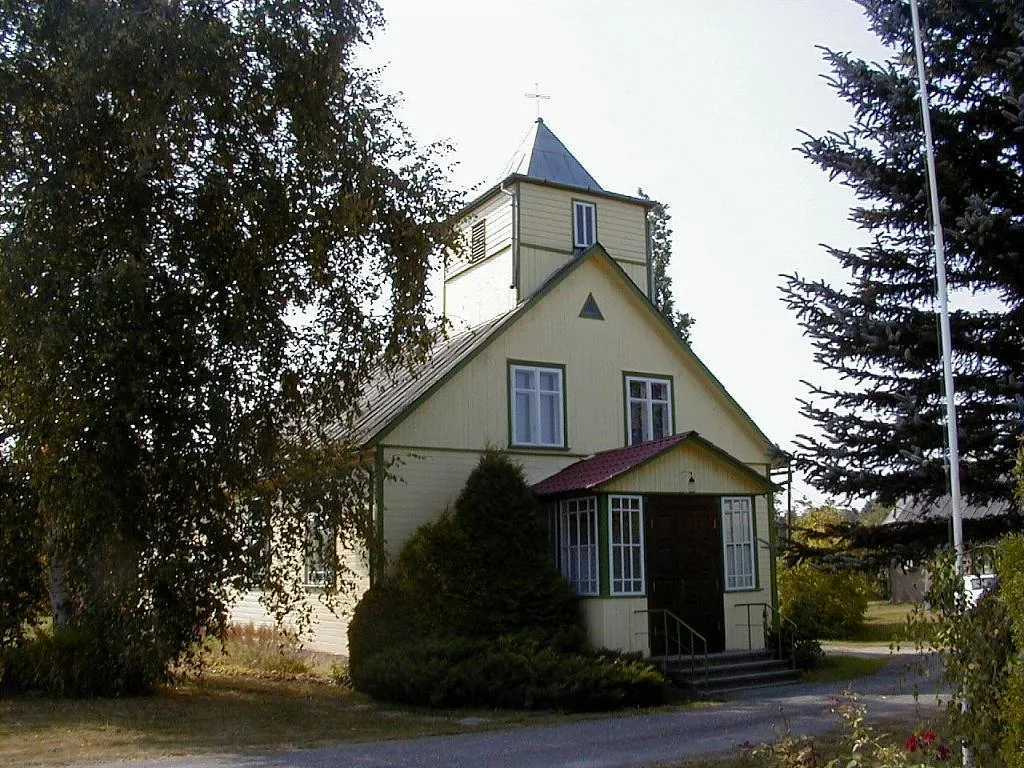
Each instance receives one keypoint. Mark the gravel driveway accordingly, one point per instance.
(899, 690)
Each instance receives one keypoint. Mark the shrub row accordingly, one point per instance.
(81, 658)
(512, 671)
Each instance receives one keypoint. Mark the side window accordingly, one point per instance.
(577, 533)
(537, 406)
(317, 556)
(649, 408)
(584, 224)
(738, 541)
(626, 544)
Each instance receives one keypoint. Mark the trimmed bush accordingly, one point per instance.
(512, 671)
(476, 614)
(482, 571)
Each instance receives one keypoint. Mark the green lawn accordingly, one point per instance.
(884, 623)
(218, 714)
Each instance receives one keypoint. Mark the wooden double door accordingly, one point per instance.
(684, 566)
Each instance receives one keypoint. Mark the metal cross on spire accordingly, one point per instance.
(537, 96)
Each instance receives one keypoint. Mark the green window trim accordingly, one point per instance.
(659, 378)
(633, 576)
(538, 368)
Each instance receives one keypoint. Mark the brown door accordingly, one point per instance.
(684, 566)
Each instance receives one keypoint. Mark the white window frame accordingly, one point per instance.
(316, 570)
(537, 395)
(647, 403)
(738, 543)
(584, 223)
(626, 545)
(578, 554)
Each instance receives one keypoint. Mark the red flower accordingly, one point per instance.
(929, 736)
(943, 752)
(911, 744)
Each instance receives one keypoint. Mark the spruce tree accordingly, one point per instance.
(881, 429)
(660, 235)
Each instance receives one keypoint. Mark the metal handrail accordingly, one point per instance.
(667, 618)
(794, 629)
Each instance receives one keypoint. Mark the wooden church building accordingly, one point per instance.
(657, 481)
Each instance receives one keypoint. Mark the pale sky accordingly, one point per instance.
(700, 103)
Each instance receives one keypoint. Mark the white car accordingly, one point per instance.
(976, 585)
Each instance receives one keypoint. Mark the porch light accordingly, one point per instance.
(691, 484)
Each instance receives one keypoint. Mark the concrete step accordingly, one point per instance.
(729, 671)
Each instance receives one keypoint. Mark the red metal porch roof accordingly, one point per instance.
(601, 467)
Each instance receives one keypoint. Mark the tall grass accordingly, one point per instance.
(268, 652)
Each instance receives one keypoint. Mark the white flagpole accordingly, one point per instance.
(940, 272)
(947, 346)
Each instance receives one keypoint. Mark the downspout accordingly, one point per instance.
(650, 259)
(514, 200)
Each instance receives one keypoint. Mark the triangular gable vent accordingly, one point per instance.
(590, 309)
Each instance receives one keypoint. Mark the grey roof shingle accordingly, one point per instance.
(913, 511)
(544, 157)
(391, 391)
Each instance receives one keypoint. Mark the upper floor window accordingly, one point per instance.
(538, 416)
(649, 404)
(738, 541)
(478, 240)
(584, 224)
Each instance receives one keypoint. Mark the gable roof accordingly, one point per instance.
(389, 394)
(596, 470)
(917, 511)
(392, 395)
(543, 157)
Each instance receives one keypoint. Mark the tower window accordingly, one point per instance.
(584, 224)
(478, 240)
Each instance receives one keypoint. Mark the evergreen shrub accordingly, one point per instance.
(512, 671)
(476, 613)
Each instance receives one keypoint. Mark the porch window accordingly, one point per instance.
(738, 541)
(577, 535)
(626, 539)
(537, 413)
(649, 401)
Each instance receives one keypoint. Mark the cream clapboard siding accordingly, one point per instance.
(615, 623)
(480, 292)
(662, 475)
(476, 292)
(471, 409)
(496, 211)
(329, 630)
(546, 237)
(438, 442)
(431, 482)
(428, 482)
